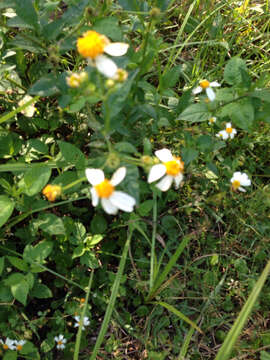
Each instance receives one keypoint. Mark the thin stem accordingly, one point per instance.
(19, 109)
(153, 243)
(64, 188)
(79, 333)
(114, 294)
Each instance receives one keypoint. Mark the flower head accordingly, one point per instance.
(85, 321)
(75, 80)
(212, 120)
(229, 132)
(104, 189)
(172, 167)
(93, 45)
(52, 191)
(19, 344)
(60, 341)
(29, 110)
(207, 86)
(238, 180)
(8, 344)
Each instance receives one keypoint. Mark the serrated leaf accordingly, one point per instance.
(71, 154)
(45, 86)
(26, 11)
(78, 251)
(20, 291)
(124, 146)
(235, 71)
(6, 206)
(18, 263)
(170, 78)
(51, 224)
(195, 113)
(145, 207)
(35, 179)
(109, 26)
(89, 259)
(39, 252)
(189, 154)
(41, 291)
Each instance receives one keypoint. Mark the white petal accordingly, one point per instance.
(106, 66)
(210, 93)
(94, 196)
(77, 318)
(122, 201)
(64, 341)
(178, 179)
(164, 155)
(228, 125)
(118, 176)
(94, 176)
(156, 172)
(224, 134)
(244, 180)
(214, 84)
(116, 49)
(242, 189)
(165, 183)
(108, 207)
(56, 338)
(197, 90)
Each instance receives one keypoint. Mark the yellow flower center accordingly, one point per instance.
(204, 84)
(5, 346)
(92, 44)
(59, 342)
(174, 167)
(104, 189)
(19, 347)
(229, 130)
(211, 120)
(73, 80)
(51, 191)
(236, 184)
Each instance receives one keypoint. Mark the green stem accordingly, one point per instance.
(15, 83)
(19, 109)
(114, 294)
(153, 243)
(64, 188)
(79, 334)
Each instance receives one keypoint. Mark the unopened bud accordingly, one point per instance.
(52, 192)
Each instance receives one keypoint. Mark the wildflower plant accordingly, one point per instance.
(107, 156)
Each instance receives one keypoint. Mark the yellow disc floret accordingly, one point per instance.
(204, 84)
(104, 189)
(52, 191)
(5, 346)
(174, 167)
(59, 342)
(92, 44)
(229, 130)
(19, 347)
(236, 184)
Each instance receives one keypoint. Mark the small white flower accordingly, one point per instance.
(240, 179)
(29, 110)
(60, 341)
(172, 167)
(19, 344)
(207, 86)
(229, 132)
(86, 321)
(104, 189)
(8, 344)
(212, 120)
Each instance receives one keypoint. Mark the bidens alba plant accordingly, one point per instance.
(238, 180)
(93, 45)
(207, 86)
(104, 189)
(172, 167)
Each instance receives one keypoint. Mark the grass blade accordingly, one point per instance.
(228, 344)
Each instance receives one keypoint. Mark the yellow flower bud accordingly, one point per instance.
(52, 191)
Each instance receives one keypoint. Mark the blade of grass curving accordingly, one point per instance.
(16, 111)
(228, 344)
(25, 167)
(179, 314)
(114, 293)
(160, 279)
(79, 333)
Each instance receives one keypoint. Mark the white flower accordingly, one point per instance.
(86, 321)
(111, 200)
(8, 344)
(61, 341)
(172, 167)
(240, 179)
(212, 120)
(207, 86)
(19, 344)
(29, 110)
(93, 45)
(229, 132)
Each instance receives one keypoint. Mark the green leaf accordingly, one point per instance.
(39, 252)
(35, 179)
(98, 224)
(132, 5)
(189, 154)
(195, 113)
(20, 291)
(228, 344)
(171, 77)
(41, 291)
(264, 355)
(2, 263)
(241, 113)
(89, 259)
(235, 71)
(72, 154)
(16, 21)
(51, 224)
(109, 26)
(26, 11)
(6, 206)
(179, 314)
(14, 279)
(10, 355)
(91, 241)
(263, 94)
(18, 263)
(205, 142)
(145, 207)
(78, 251)
(45, 86)
(126, 147)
